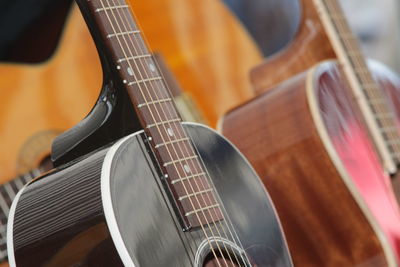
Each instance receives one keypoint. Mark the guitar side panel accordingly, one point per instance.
(59, 220)
(321, 216)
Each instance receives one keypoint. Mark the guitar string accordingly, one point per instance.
(153, 89)
(365, 76)
(157, 126)
(188, 153)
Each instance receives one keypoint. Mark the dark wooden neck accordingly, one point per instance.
(119, 38)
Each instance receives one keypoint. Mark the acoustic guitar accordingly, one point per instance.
(47, 87)
(168, 195)
(315, 141)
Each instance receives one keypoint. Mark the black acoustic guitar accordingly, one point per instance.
(173, 194)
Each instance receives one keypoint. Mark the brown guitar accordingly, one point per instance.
(39, 101)
(323, 142)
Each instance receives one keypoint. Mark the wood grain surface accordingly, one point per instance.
(323, 220)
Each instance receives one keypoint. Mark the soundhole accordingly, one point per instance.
(222, 253)
(223, 259)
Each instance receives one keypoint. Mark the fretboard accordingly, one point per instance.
(138, 73)
(379, 118)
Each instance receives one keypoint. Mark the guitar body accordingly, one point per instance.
(335, 203)
(111, 210)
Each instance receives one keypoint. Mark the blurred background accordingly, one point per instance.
(272, 23)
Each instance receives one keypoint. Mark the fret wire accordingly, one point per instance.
(179, 160)
(134, 58)
(172, 142)
(201, 209)
(180, 180)
(156, 124)
(111, 8)
(145, 80)
(159, 101)
(121, 33)
(195, 194)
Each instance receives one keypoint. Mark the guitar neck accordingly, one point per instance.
(379, 118)
(136, 71)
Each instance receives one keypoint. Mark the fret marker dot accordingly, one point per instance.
(125, 81)
(152, 67)
(187, 168)
(130, 71)
(118, 67)
(170, 132)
